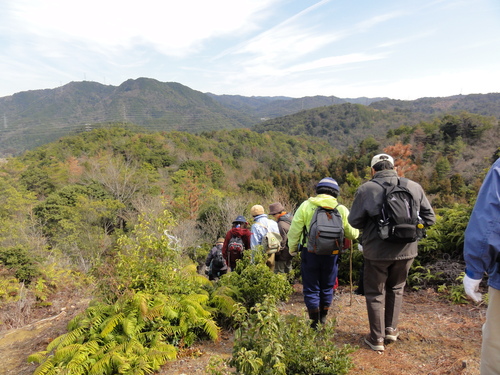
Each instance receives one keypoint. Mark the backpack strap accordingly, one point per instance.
(385, 183)
(262, 225)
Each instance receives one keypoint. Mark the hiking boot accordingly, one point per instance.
(377, 345)
(322, 314)
(314, 316)
(391, 334)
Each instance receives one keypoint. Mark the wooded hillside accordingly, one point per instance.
(128, 216)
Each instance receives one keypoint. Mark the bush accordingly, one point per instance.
(255, 280)
(268, 343)
(18, 260)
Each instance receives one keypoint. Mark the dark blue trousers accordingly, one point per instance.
(319, 273)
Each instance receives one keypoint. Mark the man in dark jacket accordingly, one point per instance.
(283, 259)
(386, 263)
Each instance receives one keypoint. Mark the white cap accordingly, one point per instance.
(381, 157)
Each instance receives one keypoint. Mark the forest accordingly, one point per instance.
(126, 216)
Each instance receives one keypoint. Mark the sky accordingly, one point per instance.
(401, 49)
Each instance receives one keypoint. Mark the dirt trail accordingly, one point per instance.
(436, 338)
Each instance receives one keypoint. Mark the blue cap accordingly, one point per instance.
(240, 219)
(328, 182)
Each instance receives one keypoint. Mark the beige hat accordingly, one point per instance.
(381, 157)
(275, 208)
(256, 210)
(220, 240)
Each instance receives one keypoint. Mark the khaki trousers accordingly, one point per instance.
(490, 350)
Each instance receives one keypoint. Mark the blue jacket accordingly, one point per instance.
(482, 236)
(260, 230)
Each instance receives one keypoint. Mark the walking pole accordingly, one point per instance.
(350, 273)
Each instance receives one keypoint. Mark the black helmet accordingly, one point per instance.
(240, 219)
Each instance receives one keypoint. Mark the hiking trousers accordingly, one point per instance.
(384, 283)
(490, 350)
(319, 273)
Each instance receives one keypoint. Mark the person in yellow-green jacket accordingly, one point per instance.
(319, 272)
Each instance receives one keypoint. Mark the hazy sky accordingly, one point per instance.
(402, 49)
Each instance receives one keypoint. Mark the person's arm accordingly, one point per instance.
(349, 231)
(426, 212)
(357, 216)
(296, 228)
(481, 247)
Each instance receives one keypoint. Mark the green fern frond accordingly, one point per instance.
(211, 329)
(102, 366)
(171, 330)
(111, 323)
(46, 368)
(224, 304)
(79, 364)
(66, 339)
(64, 354)
(150, 337)
(161, 354)
(118, 360)
(197, 297)
(231, 291)
(129, 325)
(142, 301)
(38, 357)
(157, 311)
(169, 351)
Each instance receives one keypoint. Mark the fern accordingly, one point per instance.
(46, 368)
(66, 339)
(38, 357)
(111, 323)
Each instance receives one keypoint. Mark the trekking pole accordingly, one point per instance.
(350, 273)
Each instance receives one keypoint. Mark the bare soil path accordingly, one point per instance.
(436, 338)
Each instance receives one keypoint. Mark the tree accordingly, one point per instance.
(402, 158)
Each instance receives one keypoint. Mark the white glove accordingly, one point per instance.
(360, 247)
(471, 287)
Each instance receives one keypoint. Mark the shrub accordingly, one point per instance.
(255, 280)
(18, 260)
(268, 343)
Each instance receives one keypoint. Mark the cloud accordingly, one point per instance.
(174, 28)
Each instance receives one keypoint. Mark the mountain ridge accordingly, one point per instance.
(35, 117)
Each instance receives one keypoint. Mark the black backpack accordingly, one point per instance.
(218, 261)
(398, 218)
(326, 232)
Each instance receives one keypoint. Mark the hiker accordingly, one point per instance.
(236, 241)
(386, 264)
(262, 224)
(282, 259)
(319, 272)
(215, 262)
(482, 255)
